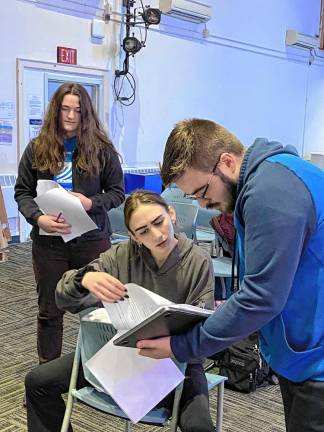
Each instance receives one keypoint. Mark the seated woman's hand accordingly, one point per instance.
(104, 286)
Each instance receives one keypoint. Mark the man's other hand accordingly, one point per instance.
(155, 348)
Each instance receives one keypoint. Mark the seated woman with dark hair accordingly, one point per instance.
(155, 258)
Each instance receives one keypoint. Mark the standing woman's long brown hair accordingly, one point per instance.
(48, 147)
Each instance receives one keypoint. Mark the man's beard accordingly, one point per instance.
(231, 188)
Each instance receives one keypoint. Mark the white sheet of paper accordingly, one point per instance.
(58, 200)
(192, 308)
(98, 315)
(44, 186)
(136, 383)
(141, 304)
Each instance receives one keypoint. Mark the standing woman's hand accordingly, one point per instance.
(85, 201)
(51, 224)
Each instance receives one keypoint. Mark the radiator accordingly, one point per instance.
(144, 169)
(7, 182)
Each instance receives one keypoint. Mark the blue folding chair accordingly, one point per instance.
(93, 334)
(174, 194)
(206, 234)
(118, 227)
(186, 215)
(222, 267)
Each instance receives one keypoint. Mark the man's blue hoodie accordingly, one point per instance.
(279, 216)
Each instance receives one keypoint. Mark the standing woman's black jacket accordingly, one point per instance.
(105, 190)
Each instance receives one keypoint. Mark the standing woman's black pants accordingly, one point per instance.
(51, 258)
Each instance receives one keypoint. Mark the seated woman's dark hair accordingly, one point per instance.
(138, 198)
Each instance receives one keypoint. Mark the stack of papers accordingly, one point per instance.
(52, 199)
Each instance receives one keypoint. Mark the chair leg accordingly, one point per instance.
(223, 285)
(73, 381)
(128, 426)
(220, 403)
(175, 409)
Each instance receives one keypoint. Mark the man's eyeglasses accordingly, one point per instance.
(194, 196)
(67, 110)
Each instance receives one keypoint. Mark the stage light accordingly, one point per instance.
(131, 45)
(151, 16)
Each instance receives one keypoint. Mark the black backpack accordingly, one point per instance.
(243, 365)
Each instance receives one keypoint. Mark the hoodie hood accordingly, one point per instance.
(260, 150)
(178, 254)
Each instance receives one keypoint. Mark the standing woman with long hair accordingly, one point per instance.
(73, 150)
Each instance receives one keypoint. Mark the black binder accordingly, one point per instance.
(165, 321)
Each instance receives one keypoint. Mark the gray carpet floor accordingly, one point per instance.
(260, 411)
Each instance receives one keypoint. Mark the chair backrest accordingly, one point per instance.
(94, 335)
(175, 194)
(203, 224)
(204, 216)
(186, 218)
(116, 217)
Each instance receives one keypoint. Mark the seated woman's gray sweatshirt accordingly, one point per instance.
(185, 277)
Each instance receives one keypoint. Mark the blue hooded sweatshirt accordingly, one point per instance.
(279, 216)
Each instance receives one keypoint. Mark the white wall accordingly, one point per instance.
(314, 131)
(241, 76)
(30, 32)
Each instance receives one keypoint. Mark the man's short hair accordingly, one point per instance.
(196, 143)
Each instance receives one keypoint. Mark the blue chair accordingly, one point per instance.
(205, 233)
(175, 194)
(222, 267)
(186, 216)
(93, 334)
(204, 217)
(119, 229)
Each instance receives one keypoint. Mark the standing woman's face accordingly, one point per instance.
(70, 115)
(152, 225)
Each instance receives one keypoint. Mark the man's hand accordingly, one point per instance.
(104, 286)
(155, 348)
(85, 201)
(50, 224)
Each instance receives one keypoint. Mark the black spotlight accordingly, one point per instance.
(131, 44)
(151, 16)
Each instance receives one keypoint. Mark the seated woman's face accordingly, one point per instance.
(151, 225)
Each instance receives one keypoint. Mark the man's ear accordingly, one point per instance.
(229, 162)
(172, 214)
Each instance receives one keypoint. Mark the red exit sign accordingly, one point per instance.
(66, 55)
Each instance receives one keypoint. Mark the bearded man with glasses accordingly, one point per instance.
(278, 204)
